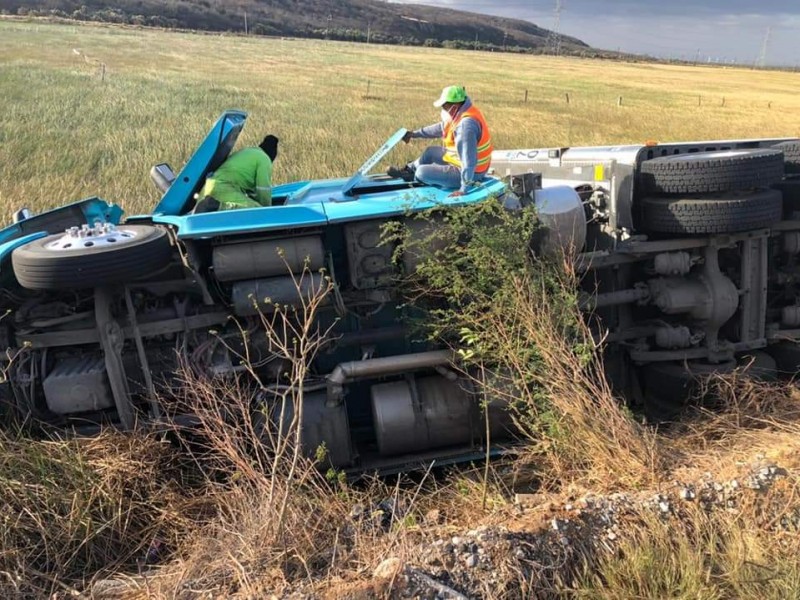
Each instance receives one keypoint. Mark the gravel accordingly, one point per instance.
(477, 563)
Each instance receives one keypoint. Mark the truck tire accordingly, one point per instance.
(791, 155)
(787, 358)
(132, 252)
(719, 213)
(790, 189)
(711, 172)
(758, 365)
(670, 387)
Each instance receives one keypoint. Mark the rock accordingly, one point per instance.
(357, 511)
(611, 535)
(388, 569)
(472, 561)
(687, 494)
(433, 517)
(663, 506)
(529, 500)
(110, 588)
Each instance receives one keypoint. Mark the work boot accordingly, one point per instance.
(207, 204)
(405, 173)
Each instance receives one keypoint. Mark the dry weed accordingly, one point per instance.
(594, 439)
(75, 509)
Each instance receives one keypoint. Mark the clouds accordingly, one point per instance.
(722, 30)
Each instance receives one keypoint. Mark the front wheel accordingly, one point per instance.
(91, 257)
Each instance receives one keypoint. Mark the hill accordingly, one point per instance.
(356, 20)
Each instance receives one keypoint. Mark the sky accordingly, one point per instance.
(723, 31)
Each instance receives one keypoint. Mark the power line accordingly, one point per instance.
(762, 57)
(554, 37)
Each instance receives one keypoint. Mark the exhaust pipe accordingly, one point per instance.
(377, 367)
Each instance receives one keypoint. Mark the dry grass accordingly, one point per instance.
(746, 551)
(594, 441)
(64, 134)
(74, 510)
(254, 526)
(700, 556)
(281, 523)
(748, 419)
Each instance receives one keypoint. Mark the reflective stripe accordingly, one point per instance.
(485, 146)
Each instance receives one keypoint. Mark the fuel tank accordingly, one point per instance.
(563, 219)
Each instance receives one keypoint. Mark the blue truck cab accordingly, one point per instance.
(110, 309)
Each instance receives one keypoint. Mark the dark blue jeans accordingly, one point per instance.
(430, 168)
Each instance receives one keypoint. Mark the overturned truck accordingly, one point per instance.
(690, 261)
(689, 255)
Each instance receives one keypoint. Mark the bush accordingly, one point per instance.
(514, 319)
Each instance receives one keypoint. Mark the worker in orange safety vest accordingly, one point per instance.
(466, 154)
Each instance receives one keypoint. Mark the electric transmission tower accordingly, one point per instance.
(554, 38)
(762, 57)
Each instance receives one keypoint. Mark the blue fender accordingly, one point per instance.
(7, 248)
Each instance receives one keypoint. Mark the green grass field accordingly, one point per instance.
(66, 134)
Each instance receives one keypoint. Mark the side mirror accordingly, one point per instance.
(524, 185)
(21, 215)
(163, 176)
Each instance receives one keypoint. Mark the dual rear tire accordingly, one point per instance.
(712, 192)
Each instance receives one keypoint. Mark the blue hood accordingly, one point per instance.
(209, 156)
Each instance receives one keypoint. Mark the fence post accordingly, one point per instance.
(619, 101)
(723, 101)
(567, 97)
(699, 100)
(526, 95)
(102, 71)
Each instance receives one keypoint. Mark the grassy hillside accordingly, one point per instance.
(355, 20)
(65, 133)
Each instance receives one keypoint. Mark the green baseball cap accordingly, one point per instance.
(454, 94)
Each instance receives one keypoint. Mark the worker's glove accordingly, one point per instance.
(407, 137)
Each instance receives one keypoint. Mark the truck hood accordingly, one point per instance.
(215, 148)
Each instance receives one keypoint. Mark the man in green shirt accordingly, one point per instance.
(244, 180)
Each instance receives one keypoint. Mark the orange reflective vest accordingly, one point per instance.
(485, 145)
